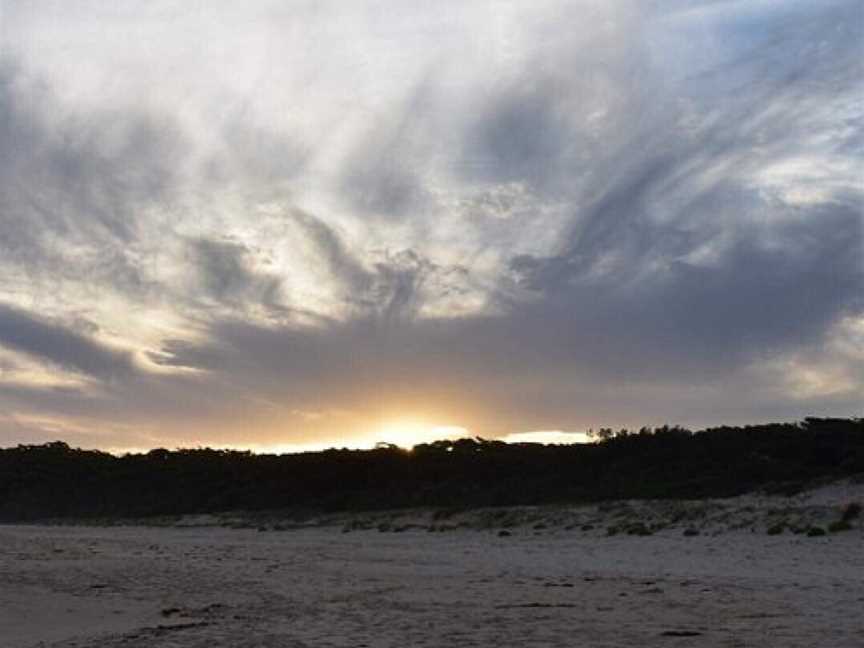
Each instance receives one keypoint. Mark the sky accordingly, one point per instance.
(291, 224)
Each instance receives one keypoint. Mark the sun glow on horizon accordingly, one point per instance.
(408, 433)
(547, 437)
(404, 433)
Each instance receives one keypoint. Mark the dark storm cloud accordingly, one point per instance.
(60, 345)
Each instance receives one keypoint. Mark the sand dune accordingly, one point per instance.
(547, 583)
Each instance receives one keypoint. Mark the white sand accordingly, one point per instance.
(210, 587)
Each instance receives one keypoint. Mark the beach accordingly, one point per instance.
(345, 585)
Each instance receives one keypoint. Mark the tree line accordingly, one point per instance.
(53, 480)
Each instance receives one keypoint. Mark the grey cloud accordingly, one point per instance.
(27, 432)
(254, 158)
(519, 136)
(401, 278)
(53, 401)
(404, 281)
(341, 262)
(70, 172)
(382, 187)
(226, 275)
(628, 278)
(678, 265)
(759, 300)
(538, 366)
(390, 285)
(383, 174)
(75, 188)
(675, 275)
(60, 345)
(182, 353)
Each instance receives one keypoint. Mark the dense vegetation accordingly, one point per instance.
(54, 480)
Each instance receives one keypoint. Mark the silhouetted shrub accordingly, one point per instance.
(639, 529)
(838, 526)
(850, 511)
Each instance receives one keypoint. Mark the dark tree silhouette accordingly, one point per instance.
(56, 481)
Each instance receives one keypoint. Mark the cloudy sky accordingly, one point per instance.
(276, 224)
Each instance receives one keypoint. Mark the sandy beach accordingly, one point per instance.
(538, 584)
